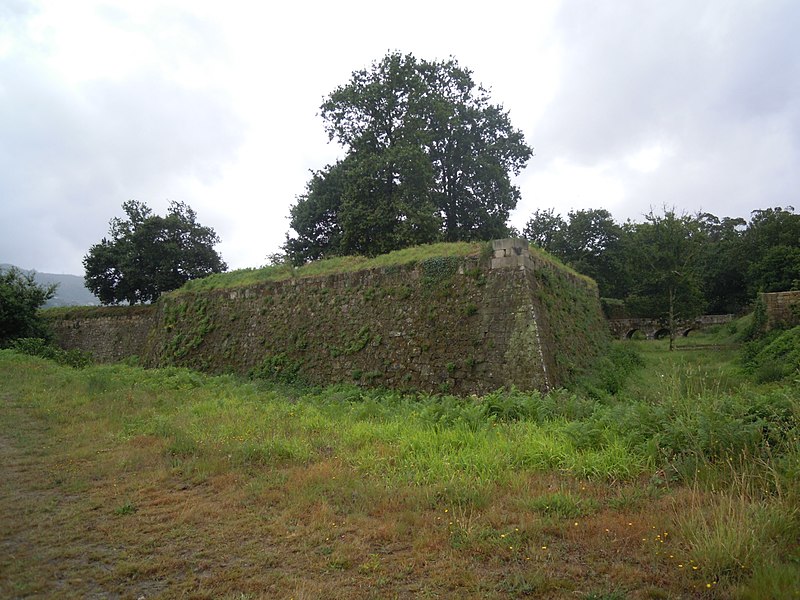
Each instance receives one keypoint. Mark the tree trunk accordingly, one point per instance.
(671, 318)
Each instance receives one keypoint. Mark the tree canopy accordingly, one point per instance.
(666, 257)
(589, 240)
(428, 158)
(20, 299)
(702, 262)
(772, 242)
(148, 255)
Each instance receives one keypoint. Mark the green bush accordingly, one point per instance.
(278, 368)
(20, 300)
(774, 356)
(610, 372)
(685, 432)
(44, 349)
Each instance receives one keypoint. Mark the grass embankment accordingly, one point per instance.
(352, 264)
(680, 481)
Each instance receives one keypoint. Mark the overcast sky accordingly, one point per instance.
(628, 105)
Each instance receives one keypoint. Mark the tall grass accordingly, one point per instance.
(689, 419)
(350, 264)
(740, 528)
(690, 422)
(329, 266)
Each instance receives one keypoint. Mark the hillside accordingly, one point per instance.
(70, 291)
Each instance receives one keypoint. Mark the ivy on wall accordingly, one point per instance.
(443, 325)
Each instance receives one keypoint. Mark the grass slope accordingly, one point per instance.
(350, 264)
(681, 483)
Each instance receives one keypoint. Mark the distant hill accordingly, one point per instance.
(70, 291)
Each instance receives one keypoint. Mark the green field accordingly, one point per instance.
(665, 475)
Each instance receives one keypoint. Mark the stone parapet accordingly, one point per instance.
(783, 308)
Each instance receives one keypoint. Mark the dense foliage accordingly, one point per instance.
(677, 264)
(148, 255)
(774, 355)
(428, 158)
(680, 458)
(44, 349)
(20, 299)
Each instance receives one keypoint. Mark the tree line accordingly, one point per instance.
(707, 263)
(428, 158)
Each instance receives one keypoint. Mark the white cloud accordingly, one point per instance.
(628, 105)
(648, 159)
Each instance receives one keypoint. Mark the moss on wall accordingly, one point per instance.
(447, 324)
(110, 333)
(782, 309)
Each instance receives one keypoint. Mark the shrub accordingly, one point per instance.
(610, 373)
(278, 368)
(20, 299)
(774, 356)
(43, 349)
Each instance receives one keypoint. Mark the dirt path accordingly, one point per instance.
(49, 545)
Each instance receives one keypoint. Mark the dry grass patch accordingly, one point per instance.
(110, 488)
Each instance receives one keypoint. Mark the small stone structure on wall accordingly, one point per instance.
(444, 324)
(783, 308)
(110, 333)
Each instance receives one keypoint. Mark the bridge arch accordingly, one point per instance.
(627, 328)
(661, 333)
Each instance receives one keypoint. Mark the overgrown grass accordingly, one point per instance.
(681, 442)
(94, 312)
(42, 348)
(774, 357)
(350, 264)
(329, 266)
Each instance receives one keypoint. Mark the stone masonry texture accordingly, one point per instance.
(446, 325)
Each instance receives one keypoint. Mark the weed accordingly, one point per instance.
(339, 563)
(731, 532)
(561, 505)
(278, 368)
(614, 595)
(128, 508)
(44, 349)
(527, 584)
(772, 580)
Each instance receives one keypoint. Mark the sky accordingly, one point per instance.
(630, 105)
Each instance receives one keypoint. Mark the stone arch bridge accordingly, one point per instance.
(658, 328)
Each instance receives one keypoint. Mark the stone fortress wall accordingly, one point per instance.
(443, 325)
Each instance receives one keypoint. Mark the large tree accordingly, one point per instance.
(20, 299)
(148, 255)
(666, 256)
(428, 158)
(588, 241)
(723, 262)
(547, 230)
(772, 244)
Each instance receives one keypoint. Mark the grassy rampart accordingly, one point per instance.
(436, 318)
